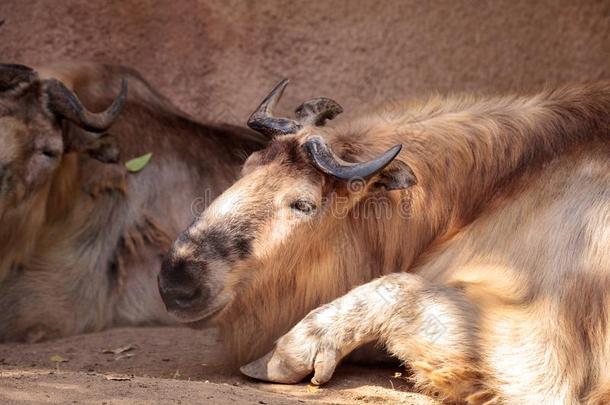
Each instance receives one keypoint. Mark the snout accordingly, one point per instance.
(180, 289)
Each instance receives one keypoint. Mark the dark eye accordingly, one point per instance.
(306, 207)
(50, 153)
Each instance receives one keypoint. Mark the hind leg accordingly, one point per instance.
(433, 328)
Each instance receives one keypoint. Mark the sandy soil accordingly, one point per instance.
(169, 366)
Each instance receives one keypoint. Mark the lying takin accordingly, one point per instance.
(81, 239)
(478, 254)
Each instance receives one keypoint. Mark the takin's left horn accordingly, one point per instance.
(312, 112)
(263, 121)
(325, 160)
(65, 103)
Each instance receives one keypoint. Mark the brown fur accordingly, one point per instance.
(100, 231)
(506, 231)
(27, 132)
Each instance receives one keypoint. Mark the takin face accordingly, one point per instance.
(35, 134)
(289, 194)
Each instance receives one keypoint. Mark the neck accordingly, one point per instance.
(466, 153)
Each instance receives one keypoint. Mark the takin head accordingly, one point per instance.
(288, 195)
(36, 131)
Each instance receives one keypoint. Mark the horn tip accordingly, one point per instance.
(281, 85)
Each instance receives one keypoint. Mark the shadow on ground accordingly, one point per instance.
(169, 366)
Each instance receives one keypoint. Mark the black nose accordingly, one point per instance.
(179, 289)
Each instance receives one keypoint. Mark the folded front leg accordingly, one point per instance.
(431, 327)
(321, 339)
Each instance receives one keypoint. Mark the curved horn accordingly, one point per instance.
(327, 162)
(11, 75)
(263, 121)
(64, 102)
(312, 112)
(317, 111)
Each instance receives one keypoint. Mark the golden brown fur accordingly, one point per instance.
(468, 155)
(505, 236)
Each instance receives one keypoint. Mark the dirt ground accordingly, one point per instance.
(170, 366)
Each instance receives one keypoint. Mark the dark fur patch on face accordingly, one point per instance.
(216, 243)
(243, 246)
(227, 243)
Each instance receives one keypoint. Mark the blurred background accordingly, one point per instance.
(216, 58)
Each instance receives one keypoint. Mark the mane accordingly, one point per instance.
(467, 153)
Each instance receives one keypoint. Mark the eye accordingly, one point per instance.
(304, 206)
(50, 153)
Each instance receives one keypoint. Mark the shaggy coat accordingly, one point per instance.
(500, 242)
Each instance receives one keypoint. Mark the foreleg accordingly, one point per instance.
(432, 328)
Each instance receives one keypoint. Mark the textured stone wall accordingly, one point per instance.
(216, 59)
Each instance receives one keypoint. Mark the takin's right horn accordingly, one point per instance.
(65, 102)
(325, 160)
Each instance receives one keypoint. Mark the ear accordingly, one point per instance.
(103, 148)
(396, 176)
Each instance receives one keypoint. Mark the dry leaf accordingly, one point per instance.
(56, 358)
(119, 350)
(123, 356)
(118, 377)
